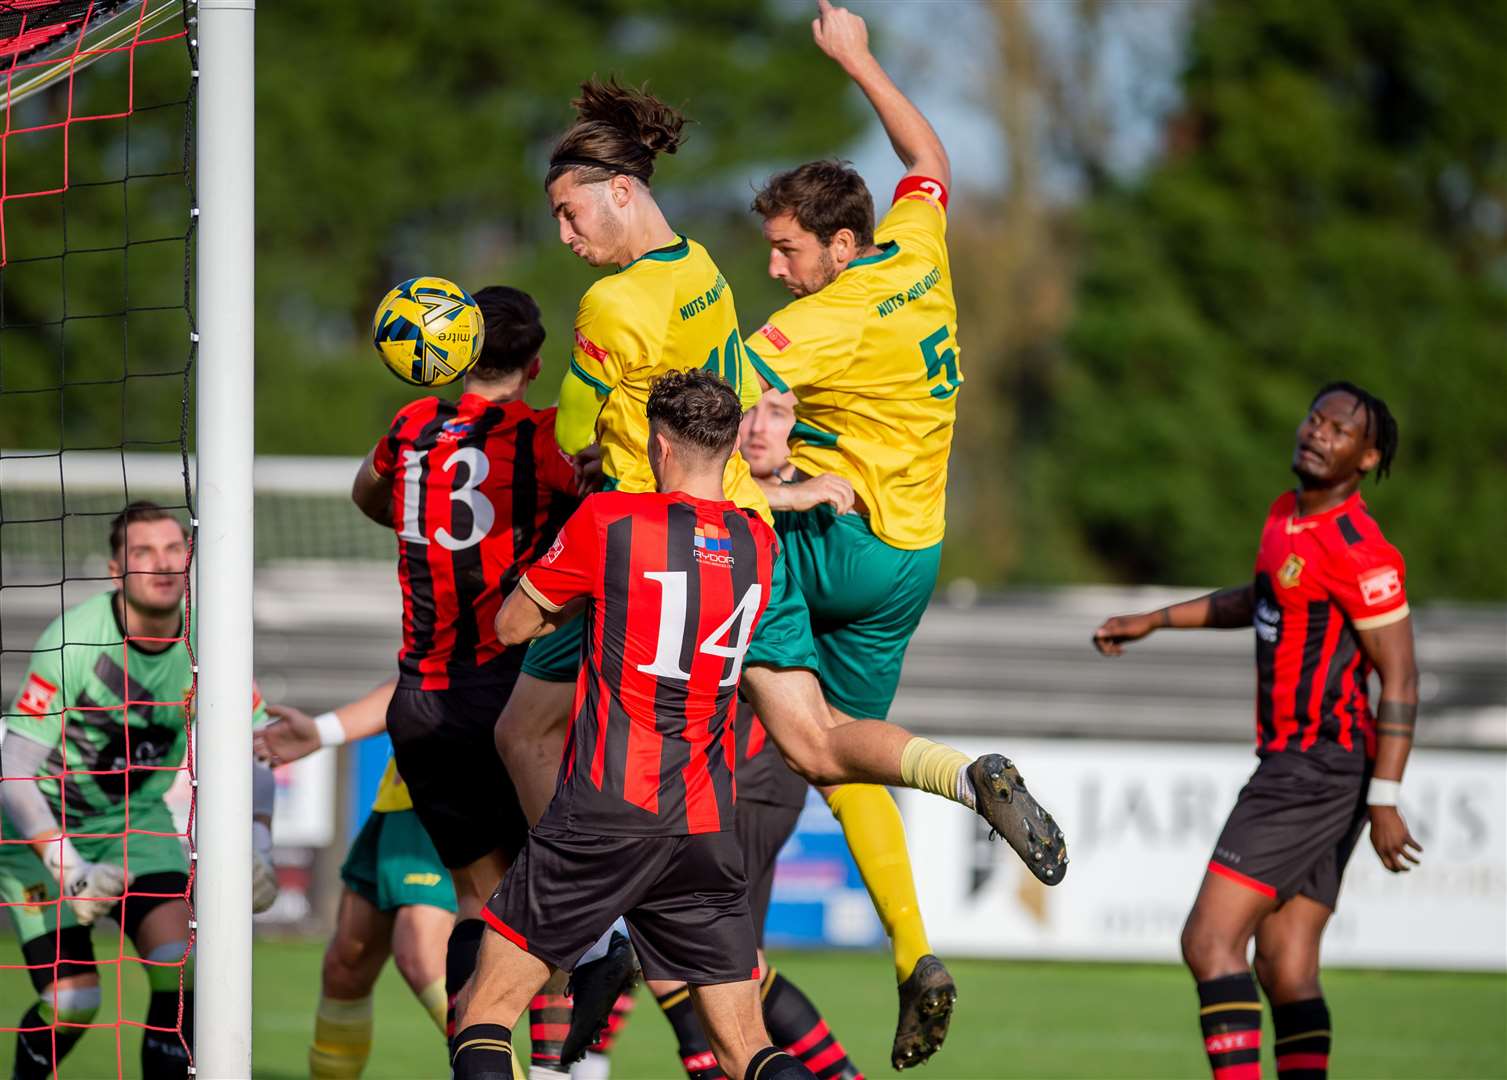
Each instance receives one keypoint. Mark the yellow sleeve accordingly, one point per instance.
(576, 418)
(606, 347)
(800, 345)
(916, 220)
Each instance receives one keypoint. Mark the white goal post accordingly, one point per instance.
(225, 384)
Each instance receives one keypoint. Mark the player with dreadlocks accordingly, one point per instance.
(1328, 606)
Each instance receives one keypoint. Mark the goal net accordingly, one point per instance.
(97, 226)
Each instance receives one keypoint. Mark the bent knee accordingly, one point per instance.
(1208, 953)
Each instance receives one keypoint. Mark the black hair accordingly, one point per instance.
(1381, 425)
(514, 332)
(696, 407)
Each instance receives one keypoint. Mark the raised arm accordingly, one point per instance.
(1226, 609)
(1390, 650)
(843, 36)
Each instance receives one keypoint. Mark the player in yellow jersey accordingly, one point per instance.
(869, 349)
(646, 319)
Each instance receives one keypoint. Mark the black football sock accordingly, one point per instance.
(794, 1023)
(1230, 1014)
(482, 1052)
(164, 1053)
(35, 1049)
(460, 961)
(1303, 1036)
(695, 1050)
(771, 1063)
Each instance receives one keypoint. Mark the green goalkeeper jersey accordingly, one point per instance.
(115, 714)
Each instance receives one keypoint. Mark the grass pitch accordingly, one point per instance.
(1013, 1020)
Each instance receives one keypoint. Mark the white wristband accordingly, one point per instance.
(1383, 792)
(331, 731)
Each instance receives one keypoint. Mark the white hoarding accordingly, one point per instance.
(1141, 819)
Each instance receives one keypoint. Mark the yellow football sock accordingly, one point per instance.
(342, 1039)
(939, 769)
(876, 836)
(432, 997)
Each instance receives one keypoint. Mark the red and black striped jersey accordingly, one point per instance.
(1319, 579)
(479, 491)
(675, 586)
(763, 776)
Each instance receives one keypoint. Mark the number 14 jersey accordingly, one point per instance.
(675, 586)
(479, 490)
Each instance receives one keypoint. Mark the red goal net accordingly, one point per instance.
(96, 356)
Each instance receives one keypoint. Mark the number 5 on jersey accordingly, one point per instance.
(672, 615)
(943, 363)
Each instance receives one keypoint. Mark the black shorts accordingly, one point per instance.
(446, 753)
(685, 899)
(1293, 829)
(762, 830)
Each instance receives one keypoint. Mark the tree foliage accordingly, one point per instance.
(1333, 204)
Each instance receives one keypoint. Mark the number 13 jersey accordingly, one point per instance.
(675, 586)
(873, 361)
(479, 491)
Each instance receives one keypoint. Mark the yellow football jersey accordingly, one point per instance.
(392, 792)
(668, 310)
(873, 361)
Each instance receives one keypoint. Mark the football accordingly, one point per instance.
(428, 331)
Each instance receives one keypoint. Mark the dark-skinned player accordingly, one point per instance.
(1328, 605)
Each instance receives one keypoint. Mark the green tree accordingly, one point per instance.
(1332, 204)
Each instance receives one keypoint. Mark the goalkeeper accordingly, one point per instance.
(89, 754)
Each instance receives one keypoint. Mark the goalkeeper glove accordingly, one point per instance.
(264, 887)
(92, 888)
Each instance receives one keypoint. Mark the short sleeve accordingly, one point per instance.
(569, 568)
(1369, 582)
(803, 344)
(385, 454)
(918, 217)
(553, 464)
(37, 711)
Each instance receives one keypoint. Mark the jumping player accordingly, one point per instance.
(475, 489)
(671, 586)
(770, 799)
(869, 349)
(1329, 607)
(397, 898)
(95, 739)
(666, 310)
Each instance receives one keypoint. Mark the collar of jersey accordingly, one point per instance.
(1298, 524)
(669, 253)
(886, 250)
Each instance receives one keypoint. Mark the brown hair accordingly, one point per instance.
(514, 331)
(618, 129)
(824, 196)
(139, 510)
(696, 407)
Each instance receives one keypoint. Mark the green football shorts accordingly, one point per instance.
(393, 864)
(783, 637)
(863, 600)
(557, 657)
(25, 882)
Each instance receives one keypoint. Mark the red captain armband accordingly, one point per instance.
(925, 185)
